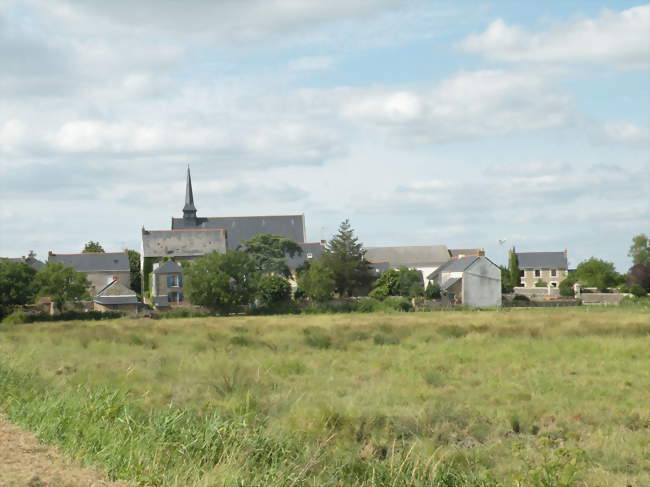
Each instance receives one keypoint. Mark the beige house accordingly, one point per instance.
(548, 267)
(101, 268)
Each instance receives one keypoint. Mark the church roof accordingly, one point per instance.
(240, 228)
(93, 261)
(189, 194)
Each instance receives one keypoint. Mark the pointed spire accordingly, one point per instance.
(189, 210)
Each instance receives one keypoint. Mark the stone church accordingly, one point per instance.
(192, 236)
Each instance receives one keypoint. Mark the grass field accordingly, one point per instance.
(546, 397)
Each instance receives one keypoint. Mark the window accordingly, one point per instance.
(553, 284)
(553, 272)
(174, 281)
(310, 255)
(538, 273)
(522, 273)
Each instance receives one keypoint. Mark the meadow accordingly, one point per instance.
(519, 397)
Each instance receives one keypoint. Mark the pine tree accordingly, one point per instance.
(345, 257)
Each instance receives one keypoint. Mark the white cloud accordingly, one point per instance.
(469, 104)
(627, 132)
(619, 39)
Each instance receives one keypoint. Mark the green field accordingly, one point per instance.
(541, 397)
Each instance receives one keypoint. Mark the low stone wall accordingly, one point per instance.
(603, 298)
(537, 292)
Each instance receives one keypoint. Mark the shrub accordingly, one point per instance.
(541, 283)
(566, 287)
(183, 313)
(638, 291)
(379, 293)
(273, 289)
(432, 291)
(16, 318)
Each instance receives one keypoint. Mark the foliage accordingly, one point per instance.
(134, 267)
(398, 282)
(432, 291)
(597, 273)
(93, 247)
(566, 286)
(541, 283)
(62, 284)
(513, 269)
(345, 257)
(640, 250)
(639, 274)
(17, 284)
(273, 290)
(15, 318)
(380, 292)
(638, 291)
(270, 253)
(506, 284)
(317, 282)
(146, 273)
(223, 283)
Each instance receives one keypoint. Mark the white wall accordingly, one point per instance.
(482, 284)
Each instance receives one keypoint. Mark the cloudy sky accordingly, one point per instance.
(423, 122)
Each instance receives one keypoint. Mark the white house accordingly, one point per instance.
(473, 281)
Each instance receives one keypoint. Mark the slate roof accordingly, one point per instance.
(542, 260)
(457, 253)
(116, 293)
(240, 228)
(449, 282)
(315, 249)
(169, 267)
(182, 243)
(30, 261)
(93, 261)
(413, 256)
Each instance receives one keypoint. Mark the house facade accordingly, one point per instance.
(550, 267)
(473, 281)
(167, 284)
(100, 268)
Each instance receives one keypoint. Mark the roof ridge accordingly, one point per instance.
(187, 230)
(244, 216)
(90, 253)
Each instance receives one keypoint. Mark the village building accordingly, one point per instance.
(424, 258)
(167, 284)
(550, 268)
(473, 281)
(460, 253)
(100, 268)
(115, 296)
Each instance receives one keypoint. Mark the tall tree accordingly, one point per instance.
(639, 274)
(93, 247)
(345, 257)
(270, 253)
(317, 281)
(223, 283)
(134, 267)
(640, 250)
(62, 283)
(513, 268)
(17, 285)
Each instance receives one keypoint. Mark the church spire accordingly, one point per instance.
(189, 210)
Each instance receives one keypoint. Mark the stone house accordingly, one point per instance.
(115, 296)
(473, 281)
(167, 284)
(549, 267)
(101, 268)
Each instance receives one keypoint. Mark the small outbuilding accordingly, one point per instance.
(116, 297)
(473, 281)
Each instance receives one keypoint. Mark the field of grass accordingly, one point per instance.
(542, 397)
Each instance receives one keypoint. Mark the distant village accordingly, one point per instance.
(460, 277)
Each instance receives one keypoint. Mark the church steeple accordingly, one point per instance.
(189, 210)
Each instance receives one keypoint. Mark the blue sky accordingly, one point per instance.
(423, 122)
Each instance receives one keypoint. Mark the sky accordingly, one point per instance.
(422, 122)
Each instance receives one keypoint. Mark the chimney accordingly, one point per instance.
(481, 252)
(566, 253)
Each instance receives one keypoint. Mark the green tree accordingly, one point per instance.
(223, 283)
(270, 253)
(345, 257)
(506, 285)
(514, 271)
(386, 285)
(639, 274)
(317, 281)
(640, 250)
(17, 286)
(594, 272)
(273, 290)
(134, 267)
(566, 286)
(62, 284)
(93, 247)
(432, 291)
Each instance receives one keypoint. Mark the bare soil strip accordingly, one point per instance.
(25, 462)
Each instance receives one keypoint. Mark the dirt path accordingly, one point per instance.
(25, 462)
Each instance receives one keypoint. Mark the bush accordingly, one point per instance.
(73, 315)
(566, 287)
(16, 318)
(183, 313)
(541, 283)
(379, 293)
(273, 290)
(638, 291)
(432, 291)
